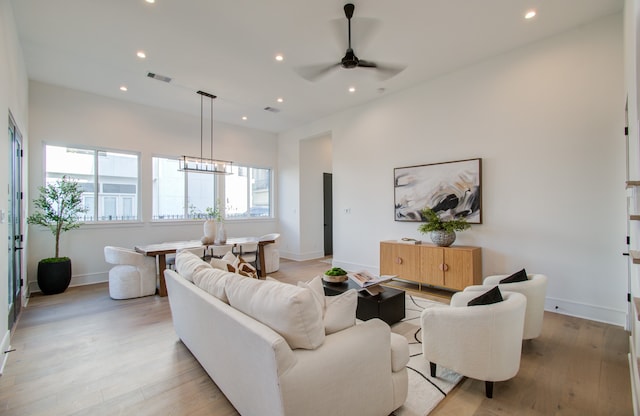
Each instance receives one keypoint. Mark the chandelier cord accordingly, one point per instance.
(212, 128)
(201, 129)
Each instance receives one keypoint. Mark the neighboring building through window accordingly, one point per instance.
(248, 193)
(187, 195)
(109, 180)
(181, 195)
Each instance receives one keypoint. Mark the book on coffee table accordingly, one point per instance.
(365, 280)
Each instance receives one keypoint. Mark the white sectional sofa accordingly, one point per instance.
(265, 346)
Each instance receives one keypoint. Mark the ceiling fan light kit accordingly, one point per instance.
(201, 164)
(350, 60)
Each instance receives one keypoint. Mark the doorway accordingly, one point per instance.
(327, 192)
(14, 219)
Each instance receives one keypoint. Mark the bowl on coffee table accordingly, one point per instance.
(335, 275)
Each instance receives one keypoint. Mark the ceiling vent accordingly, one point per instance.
(159, 77)
(272, 109)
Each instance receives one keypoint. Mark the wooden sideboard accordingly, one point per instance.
(452, 268)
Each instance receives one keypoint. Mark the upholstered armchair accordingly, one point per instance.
(483, 342)
(535, 290)
(271, 253)
(133, 276)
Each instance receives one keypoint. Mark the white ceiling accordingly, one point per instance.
(227, 48)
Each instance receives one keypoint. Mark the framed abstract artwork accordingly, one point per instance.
(451, 189)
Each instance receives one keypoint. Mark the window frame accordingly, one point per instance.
(271, 215)
(97, 192)
(219, 194)
(185, 202)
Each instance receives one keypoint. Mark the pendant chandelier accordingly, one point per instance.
(202, 164)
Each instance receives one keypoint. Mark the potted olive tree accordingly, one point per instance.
(57, 209)
(442, 232)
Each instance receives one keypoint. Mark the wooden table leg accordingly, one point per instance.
(262, 272)
(162, 264)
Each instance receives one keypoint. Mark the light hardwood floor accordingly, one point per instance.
(82, 353)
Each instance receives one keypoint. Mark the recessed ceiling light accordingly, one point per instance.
(150, 1)
(352, 89)
(530, 14)
(280, 99)
(244, 118)
(141, 54)
(123, 88)
(279, 57)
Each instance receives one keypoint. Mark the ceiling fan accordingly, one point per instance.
(350, 60)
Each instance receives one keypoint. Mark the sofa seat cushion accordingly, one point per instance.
(289, 310)
(188, 263)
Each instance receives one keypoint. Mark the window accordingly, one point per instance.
(187, 195)
(248, 193)
(180, 195)
(109, 180)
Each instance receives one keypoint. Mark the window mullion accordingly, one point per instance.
(96, 186)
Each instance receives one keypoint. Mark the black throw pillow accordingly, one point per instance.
(487, 298)
(520, 276)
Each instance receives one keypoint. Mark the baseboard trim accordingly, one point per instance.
(353, 267)
(5, 347)
(586, 311)
(562, 306)
(301, 256)
(77, 280)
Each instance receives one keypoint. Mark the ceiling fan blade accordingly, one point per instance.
(386, 71)
(367, 64)
(314, 72)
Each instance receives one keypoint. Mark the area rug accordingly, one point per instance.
(425, 392)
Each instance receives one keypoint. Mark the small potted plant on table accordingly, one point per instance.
(57, 209)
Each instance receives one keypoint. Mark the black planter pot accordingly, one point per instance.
(54, 277)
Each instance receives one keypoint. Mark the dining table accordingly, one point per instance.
(160, 251)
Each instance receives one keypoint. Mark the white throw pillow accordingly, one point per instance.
(219, 264)
(339, 312)
(229, 257)
(289, 310)
(188, 263)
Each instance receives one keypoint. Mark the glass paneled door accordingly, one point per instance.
(14, 219)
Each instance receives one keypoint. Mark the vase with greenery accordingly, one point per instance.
(212, 215)
(57, 209)
(442, 232)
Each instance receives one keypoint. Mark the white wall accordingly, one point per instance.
(316, 153)
(547, 121)
(69, 117)
(13, 98)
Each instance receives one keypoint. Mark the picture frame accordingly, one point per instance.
(452, 189)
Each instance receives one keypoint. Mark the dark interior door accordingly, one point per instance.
(327, 188)
(15, 223)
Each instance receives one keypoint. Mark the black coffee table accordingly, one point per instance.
(388, 305)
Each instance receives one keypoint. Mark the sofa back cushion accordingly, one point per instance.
(213, 281)
(188, 263)
(289, 310)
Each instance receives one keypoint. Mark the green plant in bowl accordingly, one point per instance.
(335, 275)
(336, 271)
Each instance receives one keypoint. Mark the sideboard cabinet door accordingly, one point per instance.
(402, 260)
(452, 268)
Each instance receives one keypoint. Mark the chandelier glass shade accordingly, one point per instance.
(203, 164)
